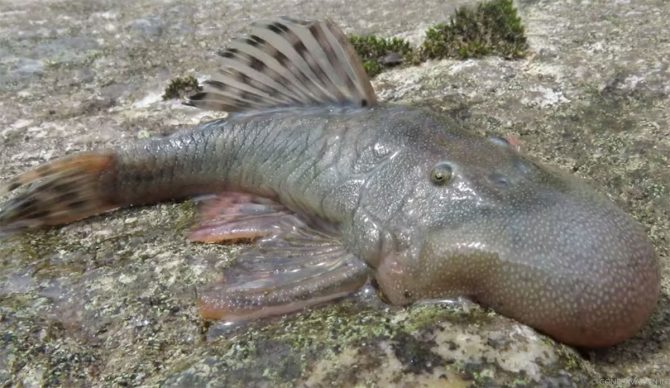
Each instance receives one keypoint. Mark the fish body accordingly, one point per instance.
(338, 189)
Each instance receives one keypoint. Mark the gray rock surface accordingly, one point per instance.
(111, 300)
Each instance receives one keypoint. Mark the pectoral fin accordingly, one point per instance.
(291, 267)
(231, 217)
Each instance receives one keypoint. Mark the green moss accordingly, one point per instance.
(186, 215)
(378, 53)
(181, 87)
(330, 325)
(40, 244)
(493, 28)
(425, 316)
(571, 362)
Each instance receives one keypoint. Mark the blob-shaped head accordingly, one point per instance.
(532, 243)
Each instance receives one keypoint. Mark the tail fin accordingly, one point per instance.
(59, 192)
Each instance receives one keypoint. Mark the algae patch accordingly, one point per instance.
(491, 28)
(416, 355)
(181, 87)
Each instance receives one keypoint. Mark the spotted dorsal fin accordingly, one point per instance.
(287, 62)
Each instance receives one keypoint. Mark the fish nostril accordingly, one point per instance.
(499, 180)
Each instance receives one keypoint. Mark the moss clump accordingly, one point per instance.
(181, 87)
(493, 28)
(378, 53)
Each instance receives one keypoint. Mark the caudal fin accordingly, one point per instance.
(59, 192)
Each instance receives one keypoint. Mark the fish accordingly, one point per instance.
(333, 190)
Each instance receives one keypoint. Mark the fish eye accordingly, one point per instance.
(441, 174)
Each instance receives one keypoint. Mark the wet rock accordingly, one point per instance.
(147, 28)
(111, 300)
(26, 67)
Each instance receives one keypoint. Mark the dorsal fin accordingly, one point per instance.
(287, 62)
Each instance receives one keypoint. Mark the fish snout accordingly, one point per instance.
(574, 267)
(580, 270)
